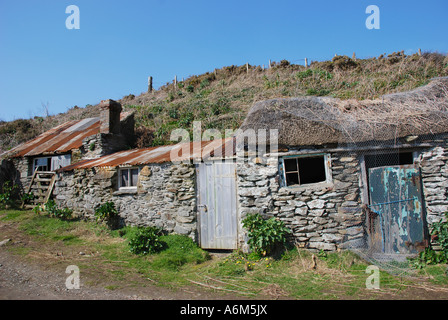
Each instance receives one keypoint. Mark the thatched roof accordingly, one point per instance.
(309, 121)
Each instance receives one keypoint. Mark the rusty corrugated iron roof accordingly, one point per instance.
(60, 139)
(219, 148)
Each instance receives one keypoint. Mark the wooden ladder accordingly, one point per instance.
(41, 185)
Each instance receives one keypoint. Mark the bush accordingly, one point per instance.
(440, 233)
(429, 255)
(108, 214)
(27, 198)
(265, 234)
(343, 63)
(55, 212)
(7, 195)
(146, 240)
(106, 211)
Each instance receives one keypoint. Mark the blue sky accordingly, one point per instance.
(121, 43)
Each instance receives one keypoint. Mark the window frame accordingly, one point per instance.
(48, 166)
(129, 170)
(282, 170)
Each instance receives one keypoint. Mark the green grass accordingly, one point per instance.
(46, 228)
(182, 263)
(12, 215)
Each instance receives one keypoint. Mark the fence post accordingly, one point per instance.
(150, 84)
(419, 52)
(306, 62)
(175, 81)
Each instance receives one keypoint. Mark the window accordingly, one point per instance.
(128, 178)
(42, 164)
(388, 159)
(303, 170)
(51, 163)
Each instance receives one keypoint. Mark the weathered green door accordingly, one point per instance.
(396, 198)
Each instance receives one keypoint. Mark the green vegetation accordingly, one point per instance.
(429, 256)
(146, 240)
(7, 197)
(265, 235)
(12, 197)
(108, 214)
(175, 261)
(54, 211)
(106, 211)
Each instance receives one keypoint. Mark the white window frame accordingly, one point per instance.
(65, 159)
(35, 160)
(128, 169)
(328, 177)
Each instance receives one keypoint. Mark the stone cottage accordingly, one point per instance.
(150, 187)
(68, 143)
(369, 174)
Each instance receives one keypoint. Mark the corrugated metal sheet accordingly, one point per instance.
(219, 148)
(60, 139)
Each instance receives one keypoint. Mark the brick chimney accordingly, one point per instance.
(110, 116)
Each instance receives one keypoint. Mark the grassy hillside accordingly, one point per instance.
(222, 98)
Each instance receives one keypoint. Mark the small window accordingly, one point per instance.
(42, 164)
(128, 177)
(303, 170)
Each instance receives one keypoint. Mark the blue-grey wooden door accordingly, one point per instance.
(217, 205)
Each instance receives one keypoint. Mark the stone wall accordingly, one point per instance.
(165, 196)
(323, 216)
(102, 144)
(434, 169)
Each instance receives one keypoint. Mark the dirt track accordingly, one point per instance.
(20, 280)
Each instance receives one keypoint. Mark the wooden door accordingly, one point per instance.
(217, 205)
(396, 198)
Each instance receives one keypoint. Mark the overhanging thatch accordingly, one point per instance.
(309, 121)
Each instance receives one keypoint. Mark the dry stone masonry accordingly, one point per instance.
(164, 196)
(324, 216)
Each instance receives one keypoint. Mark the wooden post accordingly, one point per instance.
(150, 84)
(306, 62)
(354, 56)
(247, 67)
(269, 63)
(175, 82)
(419, 52)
